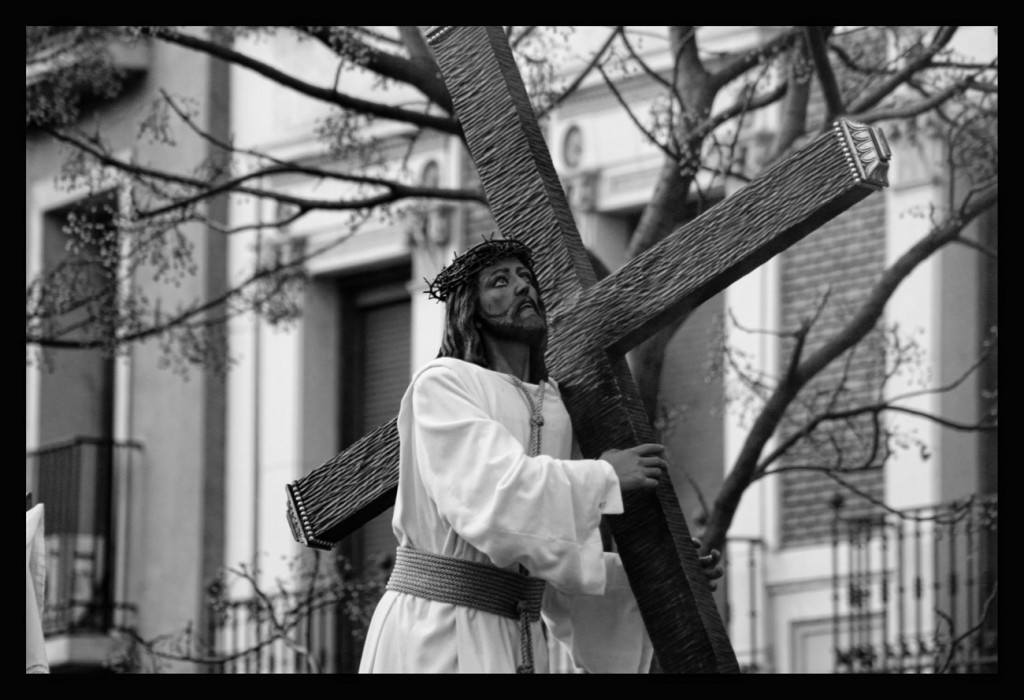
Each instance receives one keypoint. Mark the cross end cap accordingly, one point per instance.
(867, 152)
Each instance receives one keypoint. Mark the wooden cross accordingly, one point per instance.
(593, 324)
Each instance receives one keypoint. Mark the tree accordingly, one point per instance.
(811, 75)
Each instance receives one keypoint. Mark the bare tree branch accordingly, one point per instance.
(738, 65)
(519, 38)
(281, 629)
(397, 191)
(850, 63)
(873, 410)
(286, 617)
(667, 209)
(745, 104)
(584, 72)
(273, 224)
(759, 331)
(419, 70)
(912, 109)
(636, 122)
(793, 116)
(955, 643)
(943, 36)
(974, 245)
(800, 335)
(443, 124)
(816, 40)
(980, 426)
(195, 310)
(651, 73)
(863, 321)
(315, 172)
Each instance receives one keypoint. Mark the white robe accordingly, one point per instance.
(468, 489)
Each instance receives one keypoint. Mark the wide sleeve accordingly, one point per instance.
(540, 512)
(598, 633)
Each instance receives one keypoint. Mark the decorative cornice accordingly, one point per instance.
(867, 152)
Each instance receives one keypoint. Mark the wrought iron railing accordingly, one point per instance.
(315, 632)
(317, 628)
(276, 634)
(77, 482)
(743, 562)
(915, 591)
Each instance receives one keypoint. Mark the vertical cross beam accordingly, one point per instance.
(528, 202)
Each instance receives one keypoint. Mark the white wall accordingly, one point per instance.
(294, 425)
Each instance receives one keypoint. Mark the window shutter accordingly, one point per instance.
(385, 377)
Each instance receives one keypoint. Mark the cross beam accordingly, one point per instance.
(593, 324)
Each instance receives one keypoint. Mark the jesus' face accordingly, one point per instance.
(510, 307)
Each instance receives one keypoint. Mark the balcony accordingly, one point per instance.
(318, 628)
(81, 485)
(915, 591)
(277, 633)
(744, 564)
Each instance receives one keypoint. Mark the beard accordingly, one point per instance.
(532, 330)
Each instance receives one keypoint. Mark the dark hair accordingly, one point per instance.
(462, 337)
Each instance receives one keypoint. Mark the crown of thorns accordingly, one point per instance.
(466, 266)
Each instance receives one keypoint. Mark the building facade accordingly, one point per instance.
(128, 463)
(199, 474)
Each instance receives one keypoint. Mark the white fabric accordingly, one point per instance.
(35, 574)
(468, 489)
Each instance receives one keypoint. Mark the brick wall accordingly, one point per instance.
(865, 48)
(847, 256)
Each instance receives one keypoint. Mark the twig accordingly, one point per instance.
(943, 35)
(815, 37)
(443, 124)
(912, 109)
(629, 112)
(195, 310)
(954, 643)
(397, 190)
(578, 80)
(778, 334)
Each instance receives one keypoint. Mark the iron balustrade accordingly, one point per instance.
(743, 562)
(901, 617)
(316, 627)
(300, 632)
(915, 591)
(278, 633)
(77, 483)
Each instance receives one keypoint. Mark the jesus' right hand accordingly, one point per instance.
(637, 467)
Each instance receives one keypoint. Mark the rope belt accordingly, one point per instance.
(472, 584)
